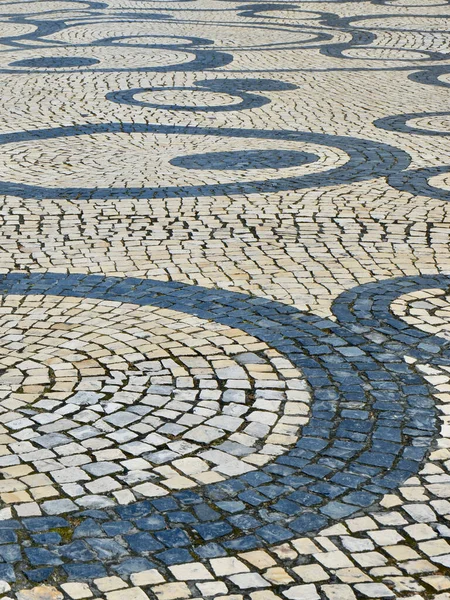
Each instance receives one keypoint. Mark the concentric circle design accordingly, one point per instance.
(74, 160)
(17, 29)
(154, 312)
(433, 124)
(91, 354)
(115, 47)
(431, 182)
(278, 11)
(177, 386)
(430, 124)
(184, 99)
(348, 154)
(273, 167)
(99, 58)
(411, 22)
(210, 95)
(436, 76)
(428, 311)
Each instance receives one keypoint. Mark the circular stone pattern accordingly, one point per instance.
(431, 124)
(434, 124)
(98, 58)
(118, 32)
(62, 433)
(101, 397)
(179, 99)
(141, 159)
(16, 29)
(428, 310)
(152, 39)
(138, 158)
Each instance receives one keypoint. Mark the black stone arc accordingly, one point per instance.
(367, 159)
(417, 182)
(248, 90)
(401, 123)
(258, 10)
(188, 43)
(345, 23)
(372, 419)
(204, 57)
(362, 40)
(430, 76)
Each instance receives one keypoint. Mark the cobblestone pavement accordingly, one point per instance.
(225, 300)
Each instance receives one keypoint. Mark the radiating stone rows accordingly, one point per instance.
(283, 495)
(224, 377)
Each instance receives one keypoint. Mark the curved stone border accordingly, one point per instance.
(417, 182)
(400, 123)
(248, 90)
(367, 160)
(371, 421)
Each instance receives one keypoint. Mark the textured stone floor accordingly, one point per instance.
(224, 300)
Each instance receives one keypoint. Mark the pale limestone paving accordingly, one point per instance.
(224, 300)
